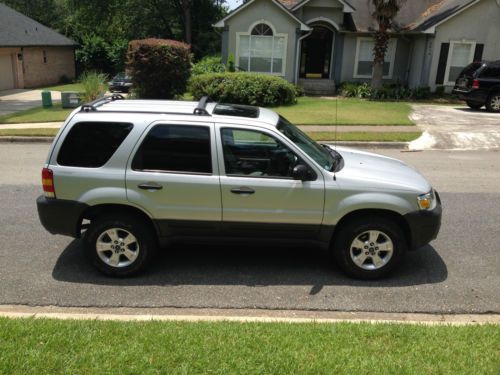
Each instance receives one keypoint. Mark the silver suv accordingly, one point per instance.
(130, 176)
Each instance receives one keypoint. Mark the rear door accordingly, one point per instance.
(259, 196)
(173, 174)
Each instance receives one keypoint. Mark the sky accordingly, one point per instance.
(233, 3)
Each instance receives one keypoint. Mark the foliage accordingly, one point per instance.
(243, 88)
(231, 65)
(387, 92)
(209, 64)
(92, 56)
(94, 86)
(159, 68)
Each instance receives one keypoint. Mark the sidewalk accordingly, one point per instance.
(16, 100)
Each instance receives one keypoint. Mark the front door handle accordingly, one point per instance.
(150, 186)
(242, 190)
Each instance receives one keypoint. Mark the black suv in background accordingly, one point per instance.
(479, 84)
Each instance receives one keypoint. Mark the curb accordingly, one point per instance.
(361, 144)
(240, 315)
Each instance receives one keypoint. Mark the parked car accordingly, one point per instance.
(479, 84)
(121, 83)
(131, 175)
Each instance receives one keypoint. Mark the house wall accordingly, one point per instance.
(265, 10)
(417, 61)
(400, 71)
(60, 61)
(480, 23)
(8, 68)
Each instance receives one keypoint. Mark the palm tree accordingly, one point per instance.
(384, 14)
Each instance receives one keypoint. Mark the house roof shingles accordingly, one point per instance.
(18, 30)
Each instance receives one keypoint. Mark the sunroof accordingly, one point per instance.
(236, 110)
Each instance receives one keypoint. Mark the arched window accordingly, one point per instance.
(262, 29)
(262, 50)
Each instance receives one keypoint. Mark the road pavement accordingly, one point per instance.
(458, 273)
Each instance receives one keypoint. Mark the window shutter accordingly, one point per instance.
(478, 53)
(443, 58)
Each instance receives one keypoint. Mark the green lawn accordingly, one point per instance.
(318, 111)
(34, 346)
(67, 87)
(38, 114)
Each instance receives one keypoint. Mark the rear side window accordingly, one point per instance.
(492, 72)
(470, 69)
(175, 148)
(91, 144)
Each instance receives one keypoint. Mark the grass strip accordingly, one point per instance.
(77, 87)
(365, 136)
(37, 114)
(45, 346)
(35, 132)
(345, 111)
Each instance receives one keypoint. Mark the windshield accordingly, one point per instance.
(319, 154)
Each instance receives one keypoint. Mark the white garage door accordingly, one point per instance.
(6, 73)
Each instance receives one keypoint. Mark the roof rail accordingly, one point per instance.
(92, 106)
(202, 104)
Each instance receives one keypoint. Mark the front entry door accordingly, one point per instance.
(259, 196)
(316, 54)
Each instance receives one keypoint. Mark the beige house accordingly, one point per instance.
(32, 55)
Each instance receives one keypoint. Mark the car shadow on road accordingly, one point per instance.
(249, 266)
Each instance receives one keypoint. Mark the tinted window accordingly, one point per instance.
(175, 148)
(470, 69)
(255, 154)
(91, 144)
(492, 72)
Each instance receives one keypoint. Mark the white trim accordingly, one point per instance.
(446, 81)
(432, 29)
(324, 19)
(346, 7)
(275, 35)
(391, 60)
(221, 23)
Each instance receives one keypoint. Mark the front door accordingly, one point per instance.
(316, 54)
(259, 195)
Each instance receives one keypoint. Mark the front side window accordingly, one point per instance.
(364, 62)
(261, 51)
(460, 55)
(91, 144)
(175, 148)
(252, 153)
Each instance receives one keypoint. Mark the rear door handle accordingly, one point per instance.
(242, 190)
(150, 186)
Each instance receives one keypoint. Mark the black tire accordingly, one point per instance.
(358, 228)
(474, 105)
(144, 247)
(493, 102)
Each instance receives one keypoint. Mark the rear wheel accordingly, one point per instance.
(474, 105)
(369, 248)
(120, 245)
(493, 102)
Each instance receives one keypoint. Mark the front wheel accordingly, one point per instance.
(493, 102)
(119, 245)
(369, 248)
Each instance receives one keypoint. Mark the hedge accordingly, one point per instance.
(243, 88)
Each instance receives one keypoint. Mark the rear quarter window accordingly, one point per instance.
(92, 144)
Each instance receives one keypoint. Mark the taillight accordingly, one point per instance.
(48, 183)
(475, 84)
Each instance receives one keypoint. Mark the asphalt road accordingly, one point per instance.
(457, 273)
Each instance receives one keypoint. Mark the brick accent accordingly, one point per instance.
(37, 72)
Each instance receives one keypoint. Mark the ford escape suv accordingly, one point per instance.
(129, 176)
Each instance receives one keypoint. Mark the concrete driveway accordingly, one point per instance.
(455, 127)
(18, 100)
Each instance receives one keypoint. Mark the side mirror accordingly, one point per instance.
(301, 172)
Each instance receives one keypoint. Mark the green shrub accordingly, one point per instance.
(355, 90)
(243, 88)
(209, 64)
(159, 68)
(387, 92)
(94, 86)
(231, 65)
(439, 91)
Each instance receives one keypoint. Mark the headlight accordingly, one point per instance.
(427, 201)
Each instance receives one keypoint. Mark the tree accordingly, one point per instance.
(384, 14)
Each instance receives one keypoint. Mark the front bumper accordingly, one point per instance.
(424, 225)
(60, 216)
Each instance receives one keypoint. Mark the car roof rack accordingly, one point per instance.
(92, 106)
(200, 110)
